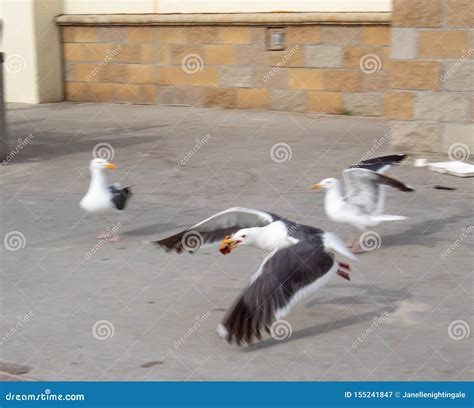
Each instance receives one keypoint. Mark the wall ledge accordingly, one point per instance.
(289, 18)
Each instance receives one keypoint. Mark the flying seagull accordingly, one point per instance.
(300, 259)
(362, 204)
(102, 198)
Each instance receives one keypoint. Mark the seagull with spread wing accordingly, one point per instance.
(362, 204)
(300, 260)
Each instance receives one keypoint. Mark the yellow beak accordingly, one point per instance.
(110, 166)
(316, 186)
(228, 244)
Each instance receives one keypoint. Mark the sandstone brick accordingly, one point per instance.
(271, 77)
(127, 53)
(79, 34)
(155, 54)
(142, 34)
(365, 59)
(441, 106)
(180, 95)
(459, 13)
(252, 98)
(111, 34)
(376, 82)
(416, 13)
(139, 94)
(234, 35)
(250, 55)
(403, 43)
(201, 34)
(288, 100)
(103, 92)
(172, 76)
(225, 98)
(376, 35)
(443, 43)
(219, 54)
(76, 92)
(69, 71)
(415, 136)
(100, 52)
(324, 56)
(328, 102)
(398, 105)
(338, 80)
(86, 72)
(236, 77)
(458, 133)
(142, 74)
(184, 53)
(173, 35)
(415, 74)
(207, 76)
(341, 35)
(291, 57)
(306, 78)
(73, 52)
(458, 76)
(304, 34)
(363, 104)
(113, 73)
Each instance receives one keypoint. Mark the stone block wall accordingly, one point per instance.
(430, 103)
(330, 68)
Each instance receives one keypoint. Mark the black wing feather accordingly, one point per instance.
(378, 163)
(120, 196)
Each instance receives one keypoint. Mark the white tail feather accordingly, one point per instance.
(388, 217)
(333, 243)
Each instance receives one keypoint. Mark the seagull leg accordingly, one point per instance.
(103, 233)
(341, 272)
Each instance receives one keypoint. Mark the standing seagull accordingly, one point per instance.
(102, 198)
(300, 260)
(362, 204)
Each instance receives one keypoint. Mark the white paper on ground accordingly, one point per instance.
(455, 168)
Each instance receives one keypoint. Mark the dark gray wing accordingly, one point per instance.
(363, 187)
(120, 196)
(281, 278)
(215, 228)
(380, 164)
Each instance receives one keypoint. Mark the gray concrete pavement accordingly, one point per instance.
(391, 322)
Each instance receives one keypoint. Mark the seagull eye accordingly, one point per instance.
(243, 236)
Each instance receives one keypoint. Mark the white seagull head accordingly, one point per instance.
(99, 164)
(245, 236)
(327, 183)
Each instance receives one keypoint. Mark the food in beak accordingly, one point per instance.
(228, 244)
